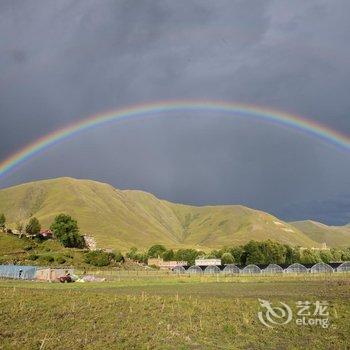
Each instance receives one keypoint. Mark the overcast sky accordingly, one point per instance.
(62, 61)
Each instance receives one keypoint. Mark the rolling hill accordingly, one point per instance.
(125, 218)
(333, 236)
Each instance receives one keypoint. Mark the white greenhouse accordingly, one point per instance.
(296, 268)
(251, 270)
(321, 267)
(231, 269)
(211, 270)
(194, 270)
(179, 270)
(344, 267)
(272, 269)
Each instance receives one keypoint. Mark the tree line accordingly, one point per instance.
(253, 252)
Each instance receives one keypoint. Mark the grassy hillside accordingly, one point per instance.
(27, 251)
(121, 219)
(333, 236)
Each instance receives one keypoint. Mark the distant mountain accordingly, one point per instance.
(333, 236)
(125, 218)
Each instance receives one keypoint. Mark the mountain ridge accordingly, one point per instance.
(124, 218)
(337, 236)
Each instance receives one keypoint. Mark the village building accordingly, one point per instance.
(154, 261)
(52, 275)
(207, 262)
(159, 262)
(46, 234)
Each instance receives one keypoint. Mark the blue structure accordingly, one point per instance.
(18, 272)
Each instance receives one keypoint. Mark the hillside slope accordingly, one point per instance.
(333, 236)
(121, 219)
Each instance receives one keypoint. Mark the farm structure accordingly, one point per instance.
(159, 262)
(321, 268)
(48, 274)
(344, 267)
(212, 269)
(251, 269)
(18, 272)
(271, 269)
(296, 268)
(207, 262)
(32, 273)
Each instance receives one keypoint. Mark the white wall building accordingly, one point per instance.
(207, 262)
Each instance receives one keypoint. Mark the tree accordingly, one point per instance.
(227, 258)
(19, 227)
(33, 227)
(188, 255)
(292, 255)
(274, 252)
(238, 254)
(168, 255)
(66, 230)
(136, 255)
(253, 253)
(326, 256)
(2, 222)
(310, 257)
(156, 250)
(346, 255)
(214, 254)
(337, 255)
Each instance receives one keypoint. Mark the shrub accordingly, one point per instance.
(118, 257)
(135, 255)
(33, 257)
(60, 260)
(2, 221)
(98, 258)
(47, 258)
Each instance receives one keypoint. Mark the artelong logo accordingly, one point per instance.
(308, 314)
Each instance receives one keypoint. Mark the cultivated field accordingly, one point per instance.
(169, 312)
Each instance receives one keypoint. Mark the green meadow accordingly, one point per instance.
(139, 311)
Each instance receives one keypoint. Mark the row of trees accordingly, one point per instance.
(254, 252)
(64, 228)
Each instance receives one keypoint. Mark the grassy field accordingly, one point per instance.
(169, 312)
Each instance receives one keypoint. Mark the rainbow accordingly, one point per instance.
(299, 123)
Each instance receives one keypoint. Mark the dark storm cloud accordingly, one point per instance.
(64, 60)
